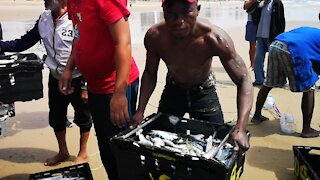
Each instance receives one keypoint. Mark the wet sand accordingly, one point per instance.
(30, 140)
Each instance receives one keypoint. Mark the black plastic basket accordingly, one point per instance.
(306, 164)
(79, 171)
(149, 162)
(20, 77)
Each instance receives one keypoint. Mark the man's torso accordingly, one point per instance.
(188, 60)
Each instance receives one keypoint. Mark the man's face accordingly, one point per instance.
(180, 18)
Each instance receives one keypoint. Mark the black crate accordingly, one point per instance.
(150, 162)
(79, 171)
(306, 164)
(20, 77)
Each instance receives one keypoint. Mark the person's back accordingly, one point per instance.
(305, 38)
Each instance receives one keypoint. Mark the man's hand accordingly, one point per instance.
(119, 110)
(84, 96)
(65, 82)
(137, 117)
(242, 140)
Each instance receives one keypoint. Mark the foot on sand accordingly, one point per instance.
(258, 119)
(56, 159)
(310, 133)
(250, 68)
(81, 159)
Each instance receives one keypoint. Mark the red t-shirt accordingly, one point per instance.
(93, 45)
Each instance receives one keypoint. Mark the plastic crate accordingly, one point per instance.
(79, 172)
(136, 161)
(20, 77)
(306, 164)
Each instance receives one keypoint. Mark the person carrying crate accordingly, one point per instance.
(187, 45)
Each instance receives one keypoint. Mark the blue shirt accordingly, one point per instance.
(304, 46)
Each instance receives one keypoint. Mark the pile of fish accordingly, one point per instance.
(187, 144)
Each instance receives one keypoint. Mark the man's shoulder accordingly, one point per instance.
(204, 23)
(209, 30)
(206, 28)
(156, 30)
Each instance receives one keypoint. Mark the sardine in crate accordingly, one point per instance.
(306, 162)
(79, 171)
(136, 161)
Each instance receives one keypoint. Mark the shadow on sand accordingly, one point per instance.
(27, 155)
(16, 177)
(279, 161)
(26, 121)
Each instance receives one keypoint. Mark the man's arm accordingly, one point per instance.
(236, 69)
(66, 78)
(149, 77)
(25, 42)
(120, 33)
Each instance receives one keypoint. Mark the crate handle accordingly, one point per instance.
(222, 142)
(142, 125)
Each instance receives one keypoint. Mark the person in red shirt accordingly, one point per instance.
(102, 53)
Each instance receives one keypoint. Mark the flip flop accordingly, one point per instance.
(255, 121)
(312, 134)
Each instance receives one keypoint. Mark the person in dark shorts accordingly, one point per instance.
(187, 45)
(58, 47)
(251, 31)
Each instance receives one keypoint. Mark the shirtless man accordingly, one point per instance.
(187, 46)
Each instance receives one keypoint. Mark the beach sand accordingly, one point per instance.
(30, 140)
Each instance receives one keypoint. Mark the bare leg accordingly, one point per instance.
(307, 106)
(63, 153)
(82, 155)
(262, 96)
(252, 52)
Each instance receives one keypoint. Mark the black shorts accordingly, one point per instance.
(201, 102)
(58, 106)
(251, 31)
